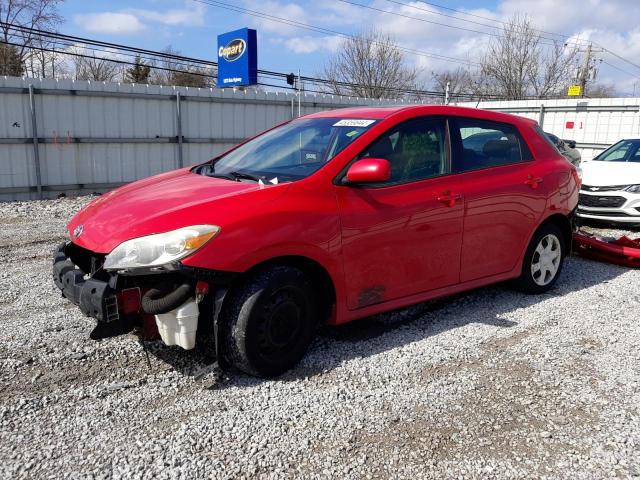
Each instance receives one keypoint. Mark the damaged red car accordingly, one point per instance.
(322, 220)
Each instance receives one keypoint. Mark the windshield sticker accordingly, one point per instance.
(353, 133)
(353, 122)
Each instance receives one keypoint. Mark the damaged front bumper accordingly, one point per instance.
(176, 301)
(95, 298)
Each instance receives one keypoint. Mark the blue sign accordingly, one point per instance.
(238, 58)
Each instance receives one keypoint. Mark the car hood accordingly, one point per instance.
(610, 173)
(159, 204)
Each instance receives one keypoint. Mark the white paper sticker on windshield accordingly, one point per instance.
(353, 122)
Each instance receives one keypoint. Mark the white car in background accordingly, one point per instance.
(611, 184)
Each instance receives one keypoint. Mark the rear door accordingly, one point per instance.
(403, 237)
(505, 194)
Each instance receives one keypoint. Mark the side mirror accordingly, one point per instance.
(369, 170)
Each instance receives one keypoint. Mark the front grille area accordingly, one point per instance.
(599, 213)
(89, 262)
(612, 188)
(601, 201)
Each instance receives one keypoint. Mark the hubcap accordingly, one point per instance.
(546, 260)
(281, 322)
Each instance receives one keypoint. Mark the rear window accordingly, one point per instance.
(488, 144)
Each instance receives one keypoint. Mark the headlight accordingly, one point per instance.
(159, 249)
(633, 189)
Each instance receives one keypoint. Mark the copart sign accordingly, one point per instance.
(237, 58)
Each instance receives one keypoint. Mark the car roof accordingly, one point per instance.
(379, 113)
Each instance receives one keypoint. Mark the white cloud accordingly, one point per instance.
(191, 15)
(309, 44)
(288, 11)
(132, 21)
(109, 22)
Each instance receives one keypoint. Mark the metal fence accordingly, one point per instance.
(594, 124)
(78, 137)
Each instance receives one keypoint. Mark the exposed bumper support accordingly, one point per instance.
(95, 298)
(116, 300)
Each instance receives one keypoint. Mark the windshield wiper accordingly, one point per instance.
(246, 176)
(235, 176)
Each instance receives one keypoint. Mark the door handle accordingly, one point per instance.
(449, 199)
(533, 182)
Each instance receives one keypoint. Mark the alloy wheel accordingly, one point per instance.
(546, 259)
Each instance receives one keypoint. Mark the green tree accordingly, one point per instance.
(138, 73)
(11, 63)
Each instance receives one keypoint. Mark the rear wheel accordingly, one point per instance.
(543, 260)
(269, 321)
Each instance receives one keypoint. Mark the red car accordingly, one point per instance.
(322, 220)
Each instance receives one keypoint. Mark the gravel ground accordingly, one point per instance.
(488, 384)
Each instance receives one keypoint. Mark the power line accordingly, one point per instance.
(554, 41)
(460, 12)
(617, 56)
(64, 39)
(561, 35)
(621, 69)
(545, 40)
(172, 59)
(306, 26)
(398, 14)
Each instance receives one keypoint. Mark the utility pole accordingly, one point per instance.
(446, 93)
(588, 70)
(299, 93)
(584, 73)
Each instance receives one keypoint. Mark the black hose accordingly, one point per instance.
(157, 301)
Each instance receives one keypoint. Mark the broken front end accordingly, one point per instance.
(177, 302)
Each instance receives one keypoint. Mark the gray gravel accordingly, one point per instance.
(491, 384)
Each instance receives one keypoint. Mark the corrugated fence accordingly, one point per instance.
(78, 137)
(594, 123)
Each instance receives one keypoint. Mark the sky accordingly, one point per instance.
(441, 34)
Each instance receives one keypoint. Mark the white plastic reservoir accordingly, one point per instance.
(178, 327)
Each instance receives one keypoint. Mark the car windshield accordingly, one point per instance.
(289, 152)
(623, 151)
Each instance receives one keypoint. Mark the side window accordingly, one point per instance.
(417, 149)
(487, 144)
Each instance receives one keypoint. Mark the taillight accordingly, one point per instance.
(577, 175)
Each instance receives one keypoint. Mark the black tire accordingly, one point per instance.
(530, 282)
(269, 321)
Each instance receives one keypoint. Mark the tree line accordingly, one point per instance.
(516, 64)
(24, 52)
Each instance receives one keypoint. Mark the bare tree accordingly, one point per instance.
(180, 73)
(20, 20)
(517, 64)
(460, 81)
(374, 64)
(10, 62)
(90, 67)
(45, 62)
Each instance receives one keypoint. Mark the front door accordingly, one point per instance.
(404, 236)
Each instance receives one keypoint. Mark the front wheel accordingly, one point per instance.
(269, 321)
(543, 260)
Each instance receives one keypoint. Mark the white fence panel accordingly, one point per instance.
(94, 136)
(594, 123)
